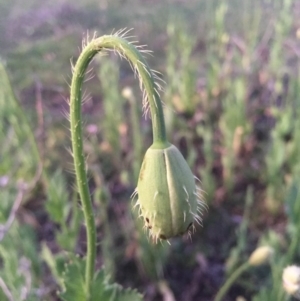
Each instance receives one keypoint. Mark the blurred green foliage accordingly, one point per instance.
(232, 107)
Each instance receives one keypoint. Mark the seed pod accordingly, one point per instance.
(167, 194)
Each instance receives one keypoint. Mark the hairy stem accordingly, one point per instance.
(127, 50)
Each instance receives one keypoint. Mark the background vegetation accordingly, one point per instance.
(232, 107)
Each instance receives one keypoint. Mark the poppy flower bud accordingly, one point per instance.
(168, 197)
(260, 255)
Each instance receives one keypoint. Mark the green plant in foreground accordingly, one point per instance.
(168, 197)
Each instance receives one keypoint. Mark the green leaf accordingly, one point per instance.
(293, 202)
(54, 262)
(57, 198)
(101, 290)
(74, 281)
(128, 295)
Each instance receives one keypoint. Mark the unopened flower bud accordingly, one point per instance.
(168, 197)
(291, 280)
(260, 256)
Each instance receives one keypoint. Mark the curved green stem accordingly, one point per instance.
(233, 277)
(127, 50)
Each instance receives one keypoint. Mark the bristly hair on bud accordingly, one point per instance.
(168, 198)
